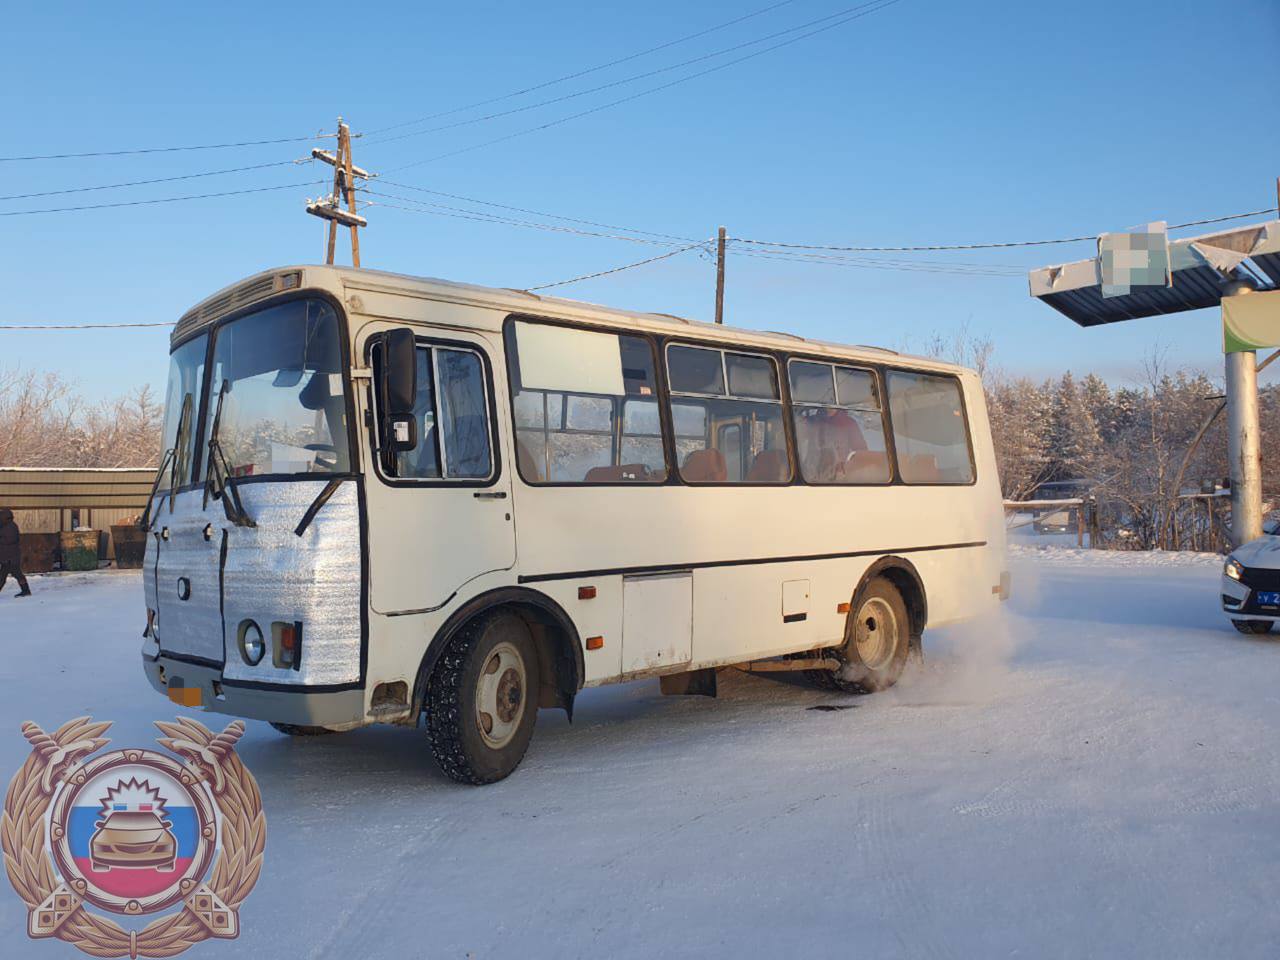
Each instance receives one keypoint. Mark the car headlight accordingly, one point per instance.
(1233, 569)
(252, 646)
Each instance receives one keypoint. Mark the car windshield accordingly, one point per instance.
(278, 373)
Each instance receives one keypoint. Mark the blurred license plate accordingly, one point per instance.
(1266, 599)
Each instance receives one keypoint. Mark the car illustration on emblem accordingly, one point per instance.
(126, 839)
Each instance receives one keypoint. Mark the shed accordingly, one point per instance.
(57, 499)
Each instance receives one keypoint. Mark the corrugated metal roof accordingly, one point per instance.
(1201, 269)
(71, 488)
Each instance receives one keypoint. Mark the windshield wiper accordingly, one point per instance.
(144, 523)
(226, 484)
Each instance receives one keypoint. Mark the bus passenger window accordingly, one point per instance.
(585, 406)
(838, 423)
(452, 410)
(929, 432)
(727, 412)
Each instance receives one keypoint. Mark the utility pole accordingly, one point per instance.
(344, 187)
(720, 238)
(1243, 448)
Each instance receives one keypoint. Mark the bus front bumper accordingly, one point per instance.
(202, 688)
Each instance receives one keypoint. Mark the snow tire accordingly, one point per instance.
(454, 724)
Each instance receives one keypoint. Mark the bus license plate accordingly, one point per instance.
(1266, 599)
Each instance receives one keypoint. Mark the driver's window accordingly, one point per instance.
(452, 412)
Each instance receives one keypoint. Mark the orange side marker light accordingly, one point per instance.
(842, 608)
(595, 643)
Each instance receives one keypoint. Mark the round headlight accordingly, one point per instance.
(252, 646)
(1233, 569)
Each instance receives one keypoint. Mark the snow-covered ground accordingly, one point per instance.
(1096, 774)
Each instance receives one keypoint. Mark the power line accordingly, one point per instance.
(143, 183)
(635, 77)
(909, 266)
(866, 10)
(583, 73)
(77, 326)
(981, 246)
(461, 213)
(536, 213)
(627, 266)
(141, 150)
(142, 203)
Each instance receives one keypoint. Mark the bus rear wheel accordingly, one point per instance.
(877, 642)
(482, 700)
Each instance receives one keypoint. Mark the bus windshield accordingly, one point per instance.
(181, 410)
(276, 392)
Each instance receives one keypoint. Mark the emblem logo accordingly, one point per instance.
(133, 832)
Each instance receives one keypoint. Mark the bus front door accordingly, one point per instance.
(440, 515)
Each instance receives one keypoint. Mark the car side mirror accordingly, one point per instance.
(398, 390)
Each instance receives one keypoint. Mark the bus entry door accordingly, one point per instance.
(440, 515)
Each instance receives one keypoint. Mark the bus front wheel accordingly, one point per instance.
(877, 641)
(482, 699)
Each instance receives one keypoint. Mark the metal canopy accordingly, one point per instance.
(1201, 266)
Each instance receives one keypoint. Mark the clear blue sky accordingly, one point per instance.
(925, 122)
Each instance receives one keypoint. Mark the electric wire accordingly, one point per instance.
(439, 209)
(982, 246)
(77, 326)
(536, 213)
(143, 183)
(626, 266)
(142, 150)
(866, 10)
(582, 73)
(143, 203)
(878, 4)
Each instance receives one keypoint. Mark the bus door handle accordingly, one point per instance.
(490, 495)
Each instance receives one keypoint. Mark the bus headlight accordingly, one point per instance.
(1233, 569)
(252, 646)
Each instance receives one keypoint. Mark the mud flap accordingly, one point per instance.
(915, 649)
(692, 683)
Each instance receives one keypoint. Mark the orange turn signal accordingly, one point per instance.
(586, 593)
(595, 643)
(842, 608)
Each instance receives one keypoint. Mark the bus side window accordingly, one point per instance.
(452, 411)
(727, 411)
(838, 423)
(929, 433)
(585, 406)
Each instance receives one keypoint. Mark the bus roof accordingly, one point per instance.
(339, 279)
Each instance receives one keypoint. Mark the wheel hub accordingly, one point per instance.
(875, 635)
(500, 695)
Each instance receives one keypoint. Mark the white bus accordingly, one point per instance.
(390, 499)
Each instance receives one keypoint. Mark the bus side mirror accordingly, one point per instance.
(398, 390)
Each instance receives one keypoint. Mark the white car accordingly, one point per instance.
(1251, 584)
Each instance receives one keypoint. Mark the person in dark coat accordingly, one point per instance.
(11, 554)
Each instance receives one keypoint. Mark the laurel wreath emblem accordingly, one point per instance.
(56, 908)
